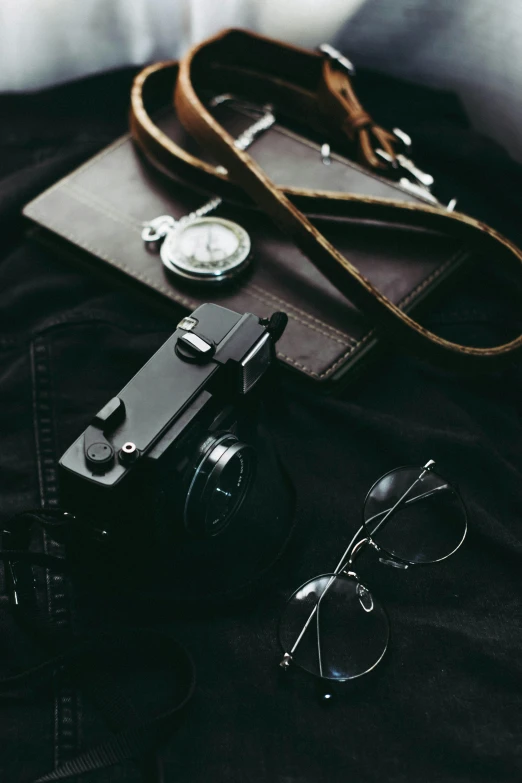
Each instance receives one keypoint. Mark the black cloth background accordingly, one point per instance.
(445, 703)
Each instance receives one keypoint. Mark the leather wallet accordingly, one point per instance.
(99, 210)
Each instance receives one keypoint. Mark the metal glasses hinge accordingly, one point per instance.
(287, 660)
(427, 467)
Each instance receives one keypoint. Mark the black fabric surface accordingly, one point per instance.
(444, 705)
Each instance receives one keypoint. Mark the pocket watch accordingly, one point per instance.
(204, 249)
(201, 248)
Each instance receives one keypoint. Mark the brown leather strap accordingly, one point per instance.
(339, 102)
(300, 82)
(235, 60)
(150, 87)
(193, 76)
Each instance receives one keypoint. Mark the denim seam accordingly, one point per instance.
(67, 699)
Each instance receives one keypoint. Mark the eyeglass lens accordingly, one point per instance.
(347, 635)
(429, 522)
(332, 626)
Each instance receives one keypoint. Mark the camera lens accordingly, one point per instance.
(219, 484)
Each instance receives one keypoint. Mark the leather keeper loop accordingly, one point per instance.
(359, 121)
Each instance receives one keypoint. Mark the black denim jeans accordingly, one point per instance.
(445, 703)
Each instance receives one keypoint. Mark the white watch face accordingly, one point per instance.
(210, 249)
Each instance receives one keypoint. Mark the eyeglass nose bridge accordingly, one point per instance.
(393, 562)
(357, 549)
(387, 559)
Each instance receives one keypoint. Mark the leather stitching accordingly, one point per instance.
(276, 201)
(349, 164)
(185, 301)
(277, 299)
(333, 366)
(141, 276)
(93, 202)
(433, 276)
(371, 333)
(98, 204)
(296, 317)
(402, 194)
(100, 156)
(120, 217)
(121, 265)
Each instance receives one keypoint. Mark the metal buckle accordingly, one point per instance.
(409, 176)
(334, 54)
(403, 137)
(403, 164)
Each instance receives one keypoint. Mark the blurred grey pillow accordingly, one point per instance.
(472, 47)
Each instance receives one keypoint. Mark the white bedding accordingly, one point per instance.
(471, 46)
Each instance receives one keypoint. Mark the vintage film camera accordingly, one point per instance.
(182, 454)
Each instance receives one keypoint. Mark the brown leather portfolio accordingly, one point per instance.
(101, 207)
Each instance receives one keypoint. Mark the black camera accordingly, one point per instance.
(182, 452)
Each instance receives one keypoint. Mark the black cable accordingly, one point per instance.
(132, 738)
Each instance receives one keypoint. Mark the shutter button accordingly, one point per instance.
(128, 453)
(195, 349)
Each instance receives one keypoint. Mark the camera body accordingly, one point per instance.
(181, 450)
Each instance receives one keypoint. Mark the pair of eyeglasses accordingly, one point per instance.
(333, 626)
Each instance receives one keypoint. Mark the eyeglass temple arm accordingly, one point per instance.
(424, 495)
(355, 546)
(354, 543)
